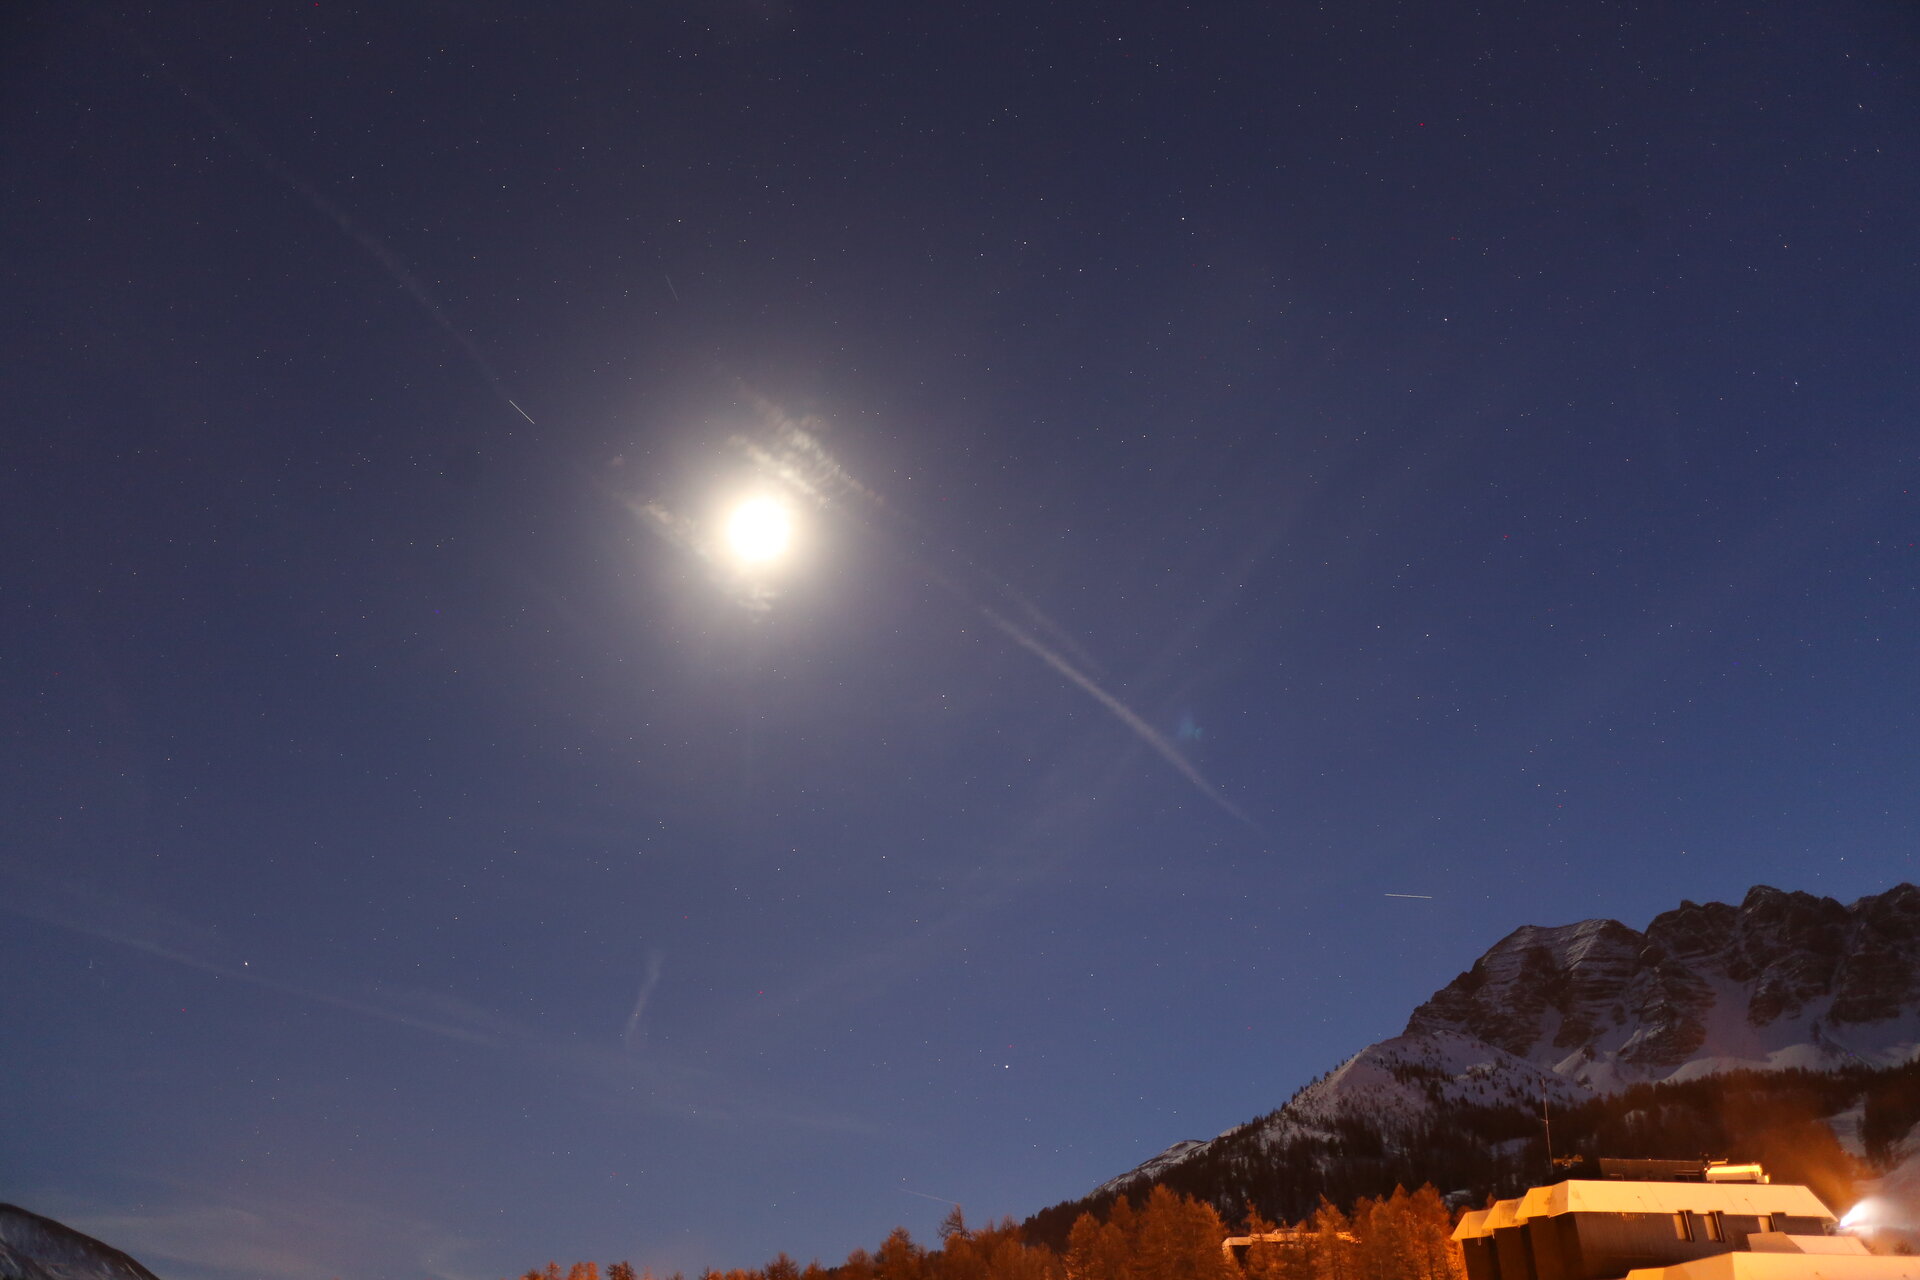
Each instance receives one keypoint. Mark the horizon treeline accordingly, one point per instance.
(1166, 1236)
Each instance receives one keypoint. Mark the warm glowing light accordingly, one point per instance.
(759, 530)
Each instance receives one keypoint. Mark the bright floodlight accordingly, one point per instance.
(759, 530)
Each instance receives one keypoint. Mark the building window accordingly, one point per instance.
(1716, 1227)
(1682, 1226)
(1766, 1222)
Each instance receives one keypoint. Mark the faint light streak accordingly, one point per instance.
(1121, 712)
(42, 904)
(375, 248)
(648, 981)
(794, 456)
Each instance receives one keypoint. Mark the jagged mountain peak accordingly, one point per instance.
(1784, 979)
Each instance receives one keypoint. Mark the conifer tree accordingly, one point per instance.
(1083, 1250)
(1333, 1244)
(1379, 1253)
(1006, 1255)
(858, 1266)
(1179, 1239)
(1103, 1250)
(962, 1257)
(1431, 1247)
(900, 1258)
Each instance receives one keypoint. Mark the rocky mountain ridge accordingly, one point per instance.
(1785, 979)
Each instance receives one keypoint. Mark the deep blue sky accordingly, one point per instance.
(1482, 446)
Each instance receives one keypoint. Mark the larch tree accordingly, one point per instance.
(1179, 1239)
(1006, 1255)
(1083, 1250)
(1333, 1244)
(1430, 1246)
(858, 1266)
(900, 1258)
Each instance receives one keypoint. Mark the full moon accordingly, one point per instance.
(759, 530)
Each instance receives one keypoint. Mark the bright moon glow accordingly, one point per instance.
(759, 530)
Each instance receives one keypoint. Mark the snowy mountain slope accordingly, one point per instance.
(1395, 1086)
(1783, 980)
(37, 1248)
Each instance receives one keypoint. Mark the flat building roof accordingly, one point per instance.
(1786, 1266)
(1578, 1195)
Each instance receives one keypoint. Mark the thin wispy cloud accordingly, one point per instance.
(140, 927)
(210, 1230)
(789, 450)
(648, 981)
(609, 1074)
(391, 263)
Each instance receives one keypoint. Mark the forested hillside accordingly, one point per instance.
(1787, 1120)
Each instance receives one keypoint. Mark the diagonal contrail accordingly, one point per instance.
(390, 262)
(795, 457)
(41, 902)
(1121, 711)
(648, 982)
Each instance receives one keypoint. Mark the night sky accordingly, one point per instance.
(1243, 463)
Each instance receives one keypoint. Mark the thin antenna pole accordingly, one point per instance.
(1546, 1122)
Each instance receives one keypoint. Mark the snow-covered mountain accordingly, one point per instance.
(37, 1248)
(1395, 1085)
(1783, 980)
